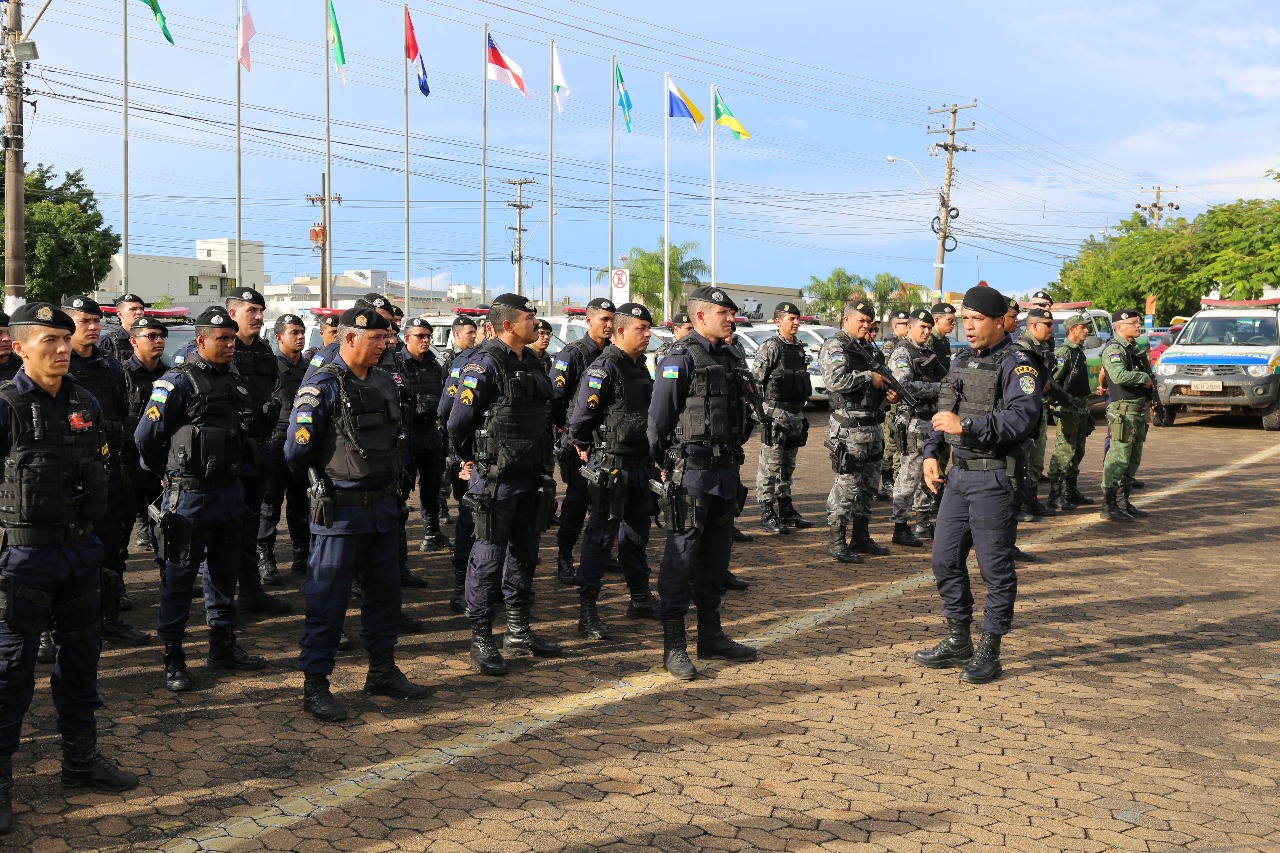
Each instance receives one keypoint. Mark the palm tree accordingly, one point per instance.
(647, 274)
(827, 296)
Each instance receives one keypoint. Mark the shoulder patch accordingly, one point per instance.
(467, 397)
(561, 364)
(302, 418)
(598, 372)
(474, 367)
(1025, 368)
(301, 435)
(153, 413)
(902, 363)
(1027, 384)
(469, 382)
(837, 357)
(308, 389)
(455, 372)
(179, 359)
(163, 383)
(306, 400)
(1115, 358)
(317, 360)
(670, 371)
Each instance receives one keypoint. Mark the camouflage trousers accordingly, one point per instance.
(1127, 428)
(909, 492)
(891, 459)
(1035, 455)
(1074, 425)
(856, 454)
(777, 464)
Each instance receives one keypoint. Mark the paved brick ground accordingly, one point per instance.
(1138, 711)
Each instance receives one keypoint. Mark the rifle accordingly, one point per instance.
(756, 402)
(894, 385)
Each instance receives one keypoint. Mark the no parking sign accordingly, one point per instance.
(621, 286)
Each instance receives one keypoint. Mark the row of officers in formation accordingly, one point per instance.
(98, 432)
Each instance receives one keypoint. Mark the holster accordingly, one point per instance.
(321, 497)
(546, 505)
(800, 439)
(10, 591)
(492, 524)
(677, 509)
(842, 461)
(172, 534)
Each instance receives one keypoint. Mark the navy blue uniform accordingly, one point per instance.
(426, 443)
(10, 367)
(464, 534)
(979, 504)
(115, 343)
(66, 574)
(146, 484)
(283, 488)
(566, 375)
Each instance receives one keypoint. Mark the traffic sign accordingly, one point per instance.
(621, 281)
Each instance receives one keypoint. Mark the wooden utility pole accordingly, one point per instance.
(942, 222)
(15, 222)
(517, 256)
(1156, 209)
(324, 200)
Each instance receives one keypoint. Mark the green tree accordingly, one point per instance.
(1237, 247)
(68, 248)
(647, 274)
(827, 296)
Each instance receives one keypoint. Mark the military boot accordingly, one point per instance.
(1057, 497)
(521, 641)
(319, 702)
(787, 511)
(114, 629)
(769, 520)
(253, 599)
(484, 652)
(984, 667)
(566, 573)
(902, 535)
(1074, 495)
(84, 767)
(953, 650)
(47, 651)
(176, 677)
(1033, 501)
(923, 529)
(643, 604)
(433, 539)
(732, 581)
(226, 654)
(408, 580)
(458, 601)
(675, 652)
(838, 547)
(1111, 509)
(298, 568)
(713, 642)
(6, 794)
(386, 679)
(1133, 511)
(268, 571)
(589, 624)
(860, 538)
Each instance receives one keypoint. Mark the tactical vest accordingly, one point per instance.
(662, 352)
(425, 381)
(54, 478)
(789, 382)
(119, 346)
(286, 389)
(588, 359)
(715, 412)
(10, 369)
(1074, 373)
(1133, 360)
(258, 369)
(866, 398)
(624, 431)
(925, 367)
(972, 389)
(137, 387)
(513, 439)
(208, 446)
(100, 380)
(364, 444)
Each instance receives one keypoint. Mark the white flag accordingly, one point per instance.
(558, 81)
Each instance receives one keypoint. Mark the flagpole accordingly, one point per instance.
(484, 169)
(551, 174)
(613, 112)
(713, 184)
(239, 221)
(666, 199)
(407, 312)
(325, 283)
(124, 204)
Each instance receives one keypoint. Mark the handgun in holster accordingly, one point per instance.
(321, 496)
(492, 524)
(546, 505)
(172, 531)
(840, 462)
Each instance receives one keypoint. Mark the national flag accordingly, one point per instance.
(335, 39)
(624, 99)
(504, 69)
(411, 53)
(679, 105)
(557, 80)
(154, 6)
(246, 32)
(724, 116)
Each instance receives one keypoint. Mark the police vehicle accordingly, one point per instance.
(1225, 360)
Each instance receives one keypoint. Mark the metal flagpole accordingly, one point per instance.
(713, 184)
(613, 112)
(326, 297)
(239, 221)
(666, 198)
(551, 175)
(124, 204)
(484, 169)
(407, 312)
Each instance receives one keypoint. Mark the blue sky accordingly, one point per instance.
(1079, 106)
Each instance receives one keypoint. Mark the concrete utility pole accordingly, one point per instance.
(942, 222)
(1156, 209)
(517, 256)
(324, 200)
(15, 223)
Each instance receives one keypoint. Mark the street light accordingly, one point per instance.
(893, 159)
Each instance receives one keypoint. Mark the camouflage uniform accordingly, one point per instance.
(1071, 371)
(917, 369)
(892, 460)
(856, 431)
(1127, 373)
(781, 372)
(1035, 453)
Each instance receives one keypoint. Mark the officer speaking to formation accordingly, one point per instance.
(988, 406)
(782, 374)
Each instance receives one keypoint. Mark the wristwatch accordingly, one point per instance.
(966, 426)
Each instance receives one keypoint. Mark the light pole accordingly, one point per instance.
(893, 159)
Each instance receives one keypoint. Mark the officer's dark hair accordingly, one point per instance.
(499, 313)
(621, 321)
(592, 313)
(236, 304)
(696, 305)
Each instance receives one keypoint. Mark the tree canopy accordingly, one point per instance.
(827, 296)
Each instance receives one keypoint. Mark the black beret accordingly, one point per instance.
(862, 306)
(288, 320)
(373, 300)
(1126, 314)
(635, 309)
(715, 296)
(922, 316)
(519, 302)
(215, 317)
(786, 308)
(681, 319)
(1039, 314)
(149, 323)
(544, 326)
(942, 308)
(130, 297)
(899, 316)
(42, 314)
(397, 311)
(602, 303)
(1012, 305)
(419, 323)
(364, 317)
(463, 320)
(987, 301)
(1042, 294)
(329, 321)
(83, 304)
(248, 294)
(4, 320)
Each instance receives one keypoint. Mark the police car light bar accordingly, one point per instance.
(580, 312)
(1239, 303)
(472, 312)
(326, 312)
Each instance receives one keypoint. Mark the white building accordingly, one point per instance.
(303, 294)
(192, 282)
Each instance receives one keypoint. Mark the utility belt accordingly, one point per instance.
(852, 420)
(998, 463)
(35, 537)
(609, 490)
(721, 456)
(362, 497)
(497, 526)
(202, 483)
(682, 511)
(622, 460)
(32, 619)
(793, 408)
(1130, 406)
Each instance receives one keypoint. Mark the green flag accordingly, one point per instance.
(154, 6)
(724, 116)
(335, 39)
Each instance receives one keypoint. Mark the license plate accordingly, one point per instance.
(1206, 386)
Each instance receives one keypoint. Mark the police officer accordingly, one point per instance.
(498, 428)
(1075, 422)
(116, 342)
(858, 398)
(103, 377)
(10, 363)
(464, 532)
(1129, 384)
(698, 422)
(919, 370)
(988, 406)
(1042, 299)
(608, 427)
(681, 326)
(539, 346)
(328, 325)
(282, 485)
(944, 323)
(193, 429)
(782, 373)
(1037, 339)
(566, 375)
(143, 368)
(344, 436)
(54, 490)
(424, 376)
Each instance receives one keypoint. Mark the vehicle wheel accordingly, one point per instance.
(1168, 416)
(1271, 417)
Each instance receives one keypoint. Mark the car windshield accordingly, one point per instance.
(815, 337)
(758, 335)
(1237, 331)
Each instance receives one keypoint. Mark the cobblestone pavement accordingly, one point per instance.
(1138, 710)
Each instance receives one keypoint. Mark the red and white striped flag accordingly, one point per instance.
(245, 33)
(504, 69)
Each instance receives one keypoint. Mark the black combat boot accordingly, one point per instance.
(84, 767)
(1138, 484)
(1133, 511)
(407, 624)
(176, 677)
(142, 541)
(254, 600)
(984, 667)
(838, 547)
(520, 641)
(47, 651)
(458, 601)
(566, 573)
(1057, 497)
(713, 642)
(1111, 509)
(268, 571)
(1022, 556)
(319, 702)
(484, 652)
(732, 581)
(589, 624)
(953, 650)
(769, 520)
(6, 794)
(433, 539)
(386, 679)
(923, 529)
(444, 516)
(116, 630)
(741, 536)
(226, 654)
(643, 604)
(408, 580)
(902, 535)
(1032, 501)
(298, 568)
(675, 652)
(1074, 495)
(787, 510)
(860, 538)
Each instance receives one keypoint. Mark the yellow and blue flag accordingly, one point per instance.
(679, 105)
